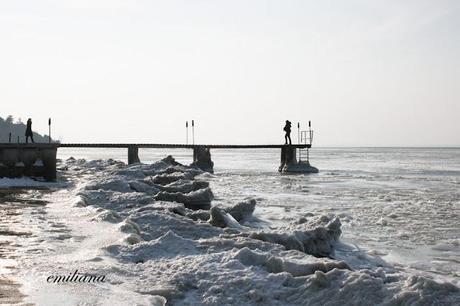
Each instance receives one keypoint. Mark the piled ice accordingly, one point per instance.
(178, 248)
(316, 238)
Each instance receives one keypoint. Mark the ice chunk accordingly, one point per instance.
(110, 183)
(242, 210)
(275, 264)
(140, 186)
(133, 239)
(129, 226)
(80, 201)
(109, 216)
(200, 214)
(168, 245)
(318, 241)
(195, 200)
(184, 186)
(222, 219)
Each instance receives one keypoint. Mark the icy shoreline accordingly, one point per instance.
(25, 182)
(168, 249)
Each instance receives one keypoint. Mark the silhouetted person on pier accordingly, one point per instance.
(287, 129)
(29, 131)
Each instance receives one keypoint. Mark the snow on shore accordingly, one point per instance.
(175, 250)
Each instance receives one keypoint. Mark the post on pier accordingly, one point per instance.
(133, 155)
(202, 158)
(49, 130)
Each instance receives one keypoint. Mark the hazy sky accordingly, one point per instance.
(365, 72)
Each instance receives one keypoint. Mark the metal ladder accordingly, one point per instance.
(306, 137)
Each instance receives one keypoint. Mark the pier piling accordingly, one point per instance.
(133, 155)
(289, 162)
(202, 158)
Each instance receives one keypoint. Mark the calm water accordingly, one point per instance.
(402, 203)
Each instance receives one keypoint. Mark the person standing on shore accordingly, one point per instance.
(287, 129)
(29, 131)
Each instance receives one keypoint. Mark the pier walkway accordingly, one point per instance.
(176, 146)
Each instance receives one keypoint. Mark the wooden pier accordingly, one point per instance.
(39, 159)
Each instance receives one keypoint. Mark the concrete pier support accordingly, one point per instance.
(32, 160)
(29, 157)
(133, 155)
(10, 157)
(48, 157)
(288, 155)
(290, 164)
(202, 158)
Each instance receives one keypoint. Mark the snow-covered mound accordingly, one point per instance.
(180, 250)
